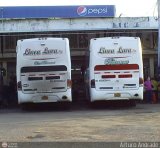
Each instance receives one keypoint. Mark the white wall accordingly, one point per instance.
(35, 25)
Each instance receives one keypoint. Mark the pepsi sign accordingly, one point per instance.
(57, 11)
(84, 11)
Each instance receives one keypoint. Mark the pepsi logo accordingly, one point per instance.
(81, 10)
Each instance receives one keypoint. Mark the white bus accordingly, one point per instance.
(43, 70)
(115, 69)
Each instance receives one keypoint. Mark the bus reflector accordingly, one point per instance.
(19, 85)
(108, 76)
(93, 83)
(125, 76)
(69, 83)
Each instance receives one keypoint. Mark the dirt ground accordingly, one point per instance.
(107, 124)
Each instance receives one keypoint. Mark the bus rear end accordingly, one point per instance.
(115, 69)
(43, 70)
(45, 84)
(117, 82)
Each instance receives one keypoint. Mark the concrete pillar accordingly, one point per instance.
(4, 65)
(158, 2)
(151, 65)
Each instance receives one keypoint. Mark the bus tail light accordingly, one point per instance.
(141, 81)
(69, 83)
(19, 85)
(108, 76)
(93, 83)
(125, 76)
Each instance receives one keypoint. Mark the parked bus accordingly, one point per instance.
(115, 69)
(43, 70)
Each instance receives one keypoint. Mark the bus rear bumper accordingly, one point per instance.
(44, 98)
(116, 95)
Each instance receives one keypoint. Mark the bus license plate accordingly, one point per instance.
(117, 95)
(45, 98)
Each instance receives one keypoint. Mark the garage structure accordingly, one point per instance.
(79, 24)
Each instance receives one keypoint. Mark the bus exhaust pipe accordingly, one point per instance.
(64, 97)
(136, 95)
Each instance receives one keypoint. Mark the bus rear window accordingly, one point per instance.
(43, 68)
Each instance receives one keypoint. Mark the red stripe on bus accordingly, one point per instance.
(116, 67)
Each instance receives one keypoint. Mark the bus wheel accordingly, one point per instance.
(25, 106)
(88, 98)
(66, 105)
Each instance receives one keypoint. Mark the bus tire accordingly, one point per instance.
(66, 105)
(88, 98)
(25, 106)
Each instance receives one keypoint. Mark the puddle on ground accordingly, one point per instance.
(36, 136)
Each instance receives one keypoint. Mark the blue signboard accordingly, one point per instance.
(57, 11)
